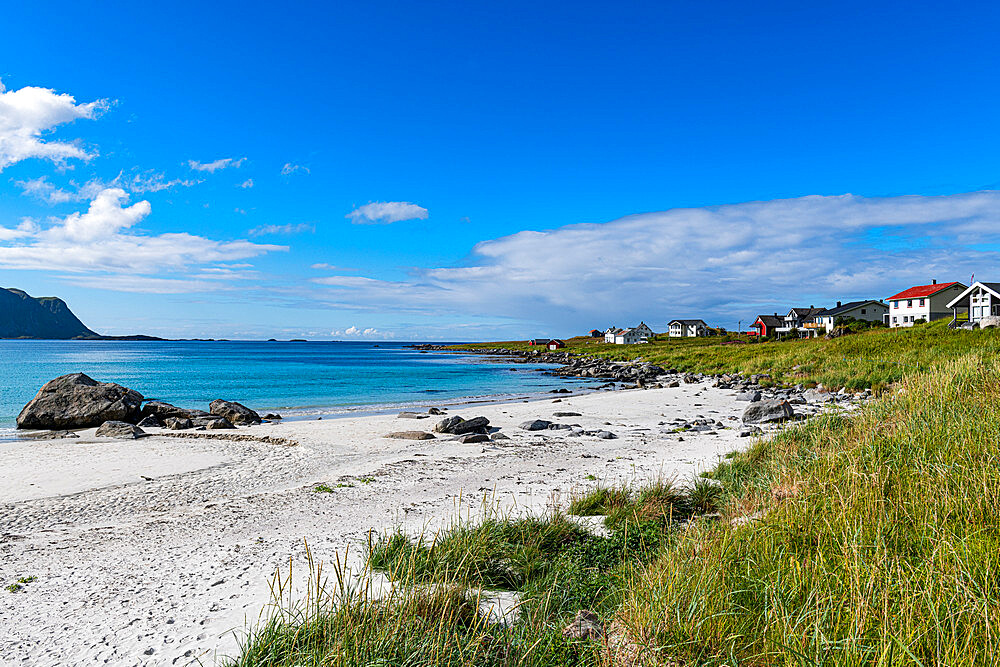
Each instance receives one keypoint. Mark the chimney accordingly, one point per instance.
(838, 304)
(934, 282)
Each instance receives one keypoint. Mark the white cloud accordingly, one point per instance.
(265, 230)
(26, 228)
(385, 212)
(331, 267)
(247, 184)
(101, 242)
(290, 169)
(151, 181)
(26, 115)
(358, 332)
(137, 182)
(722, 263)
(216, 165)
(40, 188)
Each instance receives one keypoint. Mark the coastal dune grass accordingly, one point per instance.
(869, 537)
(878, 541)
(868, 359)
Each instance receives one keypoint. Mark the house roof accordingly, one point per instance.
(688, 322)
(850, 305)
(922, 291)
(992, 287)
(770, 320)
(798, 313)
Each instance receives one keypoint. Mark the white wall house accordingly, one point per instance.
(799, 319)
(632, 335)
(922, 303)
(981, 301)
(687, 328)
(871, 311)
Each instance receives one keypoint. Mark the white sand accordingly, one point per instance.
(161, 571)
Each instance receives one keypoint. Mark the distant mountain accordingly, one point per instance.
(24, 316)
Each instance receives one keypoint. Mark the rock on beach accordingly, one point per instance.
(410, 435)
(459, 426)
(78, 401)
(762, 412)
(119, 430)
(236, 413)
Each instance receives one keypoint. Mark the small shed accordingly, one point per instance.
(539, 341)
(556, 344)
(594, 333)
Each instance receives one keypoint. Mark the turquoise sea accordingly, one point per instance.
(297, 379)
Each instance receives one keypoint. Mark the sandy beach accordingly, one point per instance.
(159, 551)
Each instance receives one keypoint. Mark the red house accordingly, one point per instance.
(556, 344)
(766, 324)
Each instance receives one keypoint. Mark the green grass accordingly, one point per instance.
(19, 584)
(599, 501)
(866, 538)
(879, 542)
(869, 359)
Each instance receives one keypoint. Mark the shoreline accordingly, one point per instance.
(189, 531)
(427, 398)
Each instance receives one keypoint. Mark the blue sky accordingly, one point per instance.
(525, 170)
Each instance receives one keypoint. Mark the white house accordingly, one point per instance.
(631, 337)
(871, 311)
(922, 303)
(981, 301)
(799, 319)
(687, 328)
(636, 334)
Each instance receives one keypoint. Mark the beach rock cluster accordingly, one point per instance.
(78, 401)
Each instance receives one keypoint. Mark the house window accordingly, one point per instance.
(894, 320)
(909, 303)
(895, 304)
(921, 303)
(863, 311)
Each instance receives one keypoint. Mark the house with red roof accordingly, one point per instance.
(923, 303)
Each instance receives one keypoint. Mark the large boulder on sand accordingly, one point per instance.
(235, 412)
(761, 412)
(79, 401)
(458, 426)
(536, 425)
(119, 430)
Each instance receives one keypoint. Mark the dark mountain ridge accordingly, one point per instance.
(24, 316)
(48, 317)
